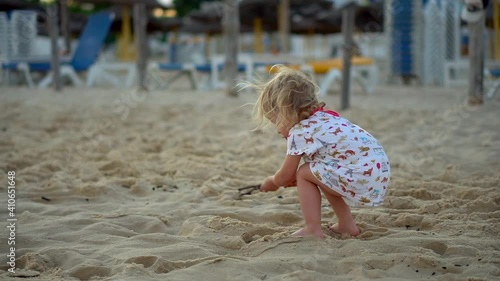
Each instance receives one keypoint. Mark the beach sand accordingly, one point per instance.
(119, 185)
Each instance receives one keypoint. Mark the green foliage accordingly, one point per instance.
(184, 7)
(32, 1)
(75, 7)
(41, 2)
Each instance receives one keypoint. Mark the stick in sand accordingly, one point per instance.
(247, 190)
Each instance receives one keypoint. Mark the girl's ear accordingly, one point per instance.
(304, 115)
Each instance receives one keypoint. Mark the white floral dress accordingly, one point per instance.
(343, 156)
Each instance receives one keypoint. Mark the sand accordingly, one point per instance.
(143, 187)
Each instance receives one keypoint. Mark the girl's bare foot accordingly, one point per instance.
(351, 230)
(305, 232)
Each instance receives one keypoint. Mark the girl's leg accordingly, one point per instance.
(310, 203)
(345, 223)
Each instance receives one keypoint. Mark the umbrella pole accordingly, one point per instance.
(65, 25)
(54, 32)
(284, 25)
(125, 53)
(347, 30)
(476, 61)
(496, 24)
(140, 23)
(208, 41)
(231, 32)
(257, 29)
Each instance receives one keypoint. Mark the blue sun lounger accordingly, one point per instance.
(85, 55)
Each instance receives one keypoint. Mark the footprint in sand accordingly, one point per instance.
(436, 246)
(160, 265)
(424, 194)
(87, 272)
(147, 261)
(373, 232)
(257, 233)
(118, 168)
(35, 261)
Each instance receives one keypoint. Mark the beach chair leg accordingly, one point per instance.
(92, 75)
(6, 76)
(70, 72)
(46, 81)
(173, 78)
(204, 82)
(362, 81)
(216, 82)
(111, 79)
(372, 79)
(65, 71)
(24, 68)
(328, 81)
(248, 72)
(153, 74)
(193, 79)
(366, 78)
(493, 90)
(131, 77)
(96, 73)
(214, 75)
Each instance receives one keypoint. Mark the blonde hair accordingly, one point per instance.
(289, 97)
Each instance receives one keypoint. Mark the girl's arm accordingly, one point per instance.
(284, 176)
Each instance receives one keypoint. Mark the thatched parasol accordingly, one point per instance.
(163, 24)
(8, 5)
(367, 19)
(302, 16)
(198, 27)
(148, 3)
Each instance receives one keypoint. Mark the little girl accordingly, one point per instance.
(341, 159)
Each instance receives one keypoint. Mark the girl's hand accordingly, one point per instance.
(269, 185)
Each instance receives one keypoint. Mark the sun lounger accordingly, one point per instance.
(192, 72)
(364, 71)
(85, 55)
(181, 69)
